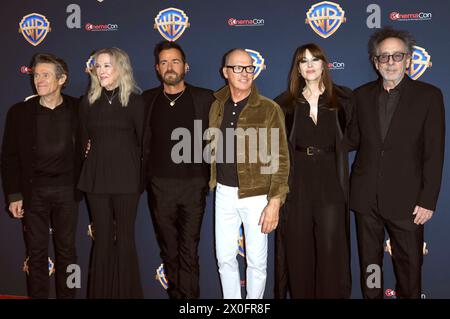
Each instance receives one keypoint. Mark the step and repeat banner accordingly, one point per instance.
(270, 31)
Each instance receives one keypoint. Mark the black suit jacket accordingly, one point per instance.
(18, 156)
(406, 169)
(202, 99)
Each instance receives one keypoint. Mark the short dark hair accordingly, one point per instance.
(60, 65)
(167, 45)
(388, 32)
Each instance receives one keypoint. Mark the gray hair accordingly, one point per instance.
(388, 32)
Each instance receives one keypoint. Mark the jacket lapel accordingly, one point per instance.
(399, 113)
(373, 109)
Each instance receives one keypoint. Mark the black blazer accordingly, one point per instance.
(406, 169)
(18, 156)
(202, 99)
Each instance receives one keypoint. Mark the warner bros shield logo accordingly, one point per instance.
(325, 18)
(171, 23)
(161, 276)
(258, 62)
(420, 61)
(34, 28)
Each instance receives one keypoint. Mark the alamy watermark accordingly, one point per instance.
(253, 145)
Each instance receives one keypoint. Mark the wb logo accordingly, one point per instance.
(258, 62)
(325, 18)
(420, 61)
(34, 28)
(161, 276)
(171, 23)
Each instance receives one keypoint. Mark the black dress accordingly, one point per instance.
(315, 225)
(111, 177)
(113, 164)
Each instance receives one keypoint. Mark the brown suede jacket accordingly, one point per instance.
(255, 177)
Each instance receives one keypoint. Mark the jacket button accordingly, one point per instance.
(31, 180)
(382, 152)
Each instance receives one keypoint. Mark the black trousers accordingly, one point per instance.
(406, 240)
(114, 269)
(317, 250)
(177, 207)
(53, 206)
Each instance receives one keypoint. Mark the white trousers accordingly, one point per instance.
(231, 212)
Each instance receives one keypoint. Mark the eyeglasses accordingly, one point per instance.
(396, 57)
(240, 68)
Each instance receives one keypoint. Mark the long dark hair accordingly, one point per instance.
(297, 82)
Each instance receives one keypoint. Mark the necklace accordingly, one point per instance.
(172, 102)
(113, 95)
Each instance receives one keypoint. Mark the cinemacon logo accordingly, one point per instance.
(336, 65)
(101, 27)
(395, 16)
(232, 22)
(391, 293)
(25, 70)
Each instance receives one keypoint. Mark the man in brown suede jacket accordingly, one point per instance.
(250, 167)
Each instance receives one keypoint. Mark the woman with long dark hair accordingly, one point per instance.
(313, 237)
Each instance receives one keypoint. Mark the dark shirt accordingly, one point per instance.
(113, 164)
(226, 155)
(387, 103)
(315, 177)
(164, 120)
(54, 146)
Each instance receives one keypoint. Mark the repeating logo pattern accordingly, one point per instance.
(34, 28)
(325, 18)
(161, 276)
(258, 62)
(90, 231)
(420, 61)
(418, 16)
(241, 242)
(388, 247)
(51, 266)
(90, 63)
(171, 23)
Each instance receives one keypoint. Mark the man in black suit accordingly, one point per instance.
(398, 129)
(40, 165)
(176, 176)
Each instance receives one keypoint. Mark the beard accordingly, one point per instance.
(172, 78)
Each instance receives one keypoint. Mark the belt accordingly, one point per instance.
(312, 150)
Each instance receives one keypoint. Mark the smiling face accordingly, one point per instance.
(239, 82)
(107, 72)
(171, 67)
(310, 67)
(45, 80)
(392, 72)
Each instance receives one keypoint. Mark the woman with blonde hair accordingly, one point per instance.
(111, 117)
